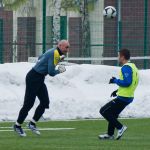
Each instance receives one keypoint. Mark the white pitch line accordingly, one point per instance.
(6, 127)
(70, 120)
(41, 129)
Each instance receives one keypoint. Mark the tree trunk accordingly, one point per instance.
(56, 21)
(86, 52)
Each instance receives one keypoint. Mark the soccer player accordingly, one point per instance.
(124, 95)
(35, 85)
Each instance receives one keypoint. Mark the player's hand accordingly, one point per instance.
(61, 68)
(111, 81)
(114, 93)
(62, 57)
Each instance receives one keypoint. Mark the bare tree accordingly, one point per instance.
(56, 21)
(13, 4)
(83, 7)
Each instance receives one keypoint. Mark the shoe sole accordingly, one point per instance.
(105, 138)
(119, 137)
(20, 134)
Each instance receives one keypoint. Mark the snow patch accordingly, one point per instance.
(77, 93)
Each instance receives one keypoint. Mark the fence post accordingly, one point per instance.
(1, 40)
(119, 29)
(145, 30)
(44, 26)
(63, 27)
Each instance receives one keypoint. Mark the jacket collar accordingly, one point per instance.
(59, 50)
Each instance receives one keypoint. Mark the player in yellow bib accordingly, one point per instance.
(127, 83)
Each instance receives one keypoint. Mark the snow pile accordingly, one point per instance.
(77, 93)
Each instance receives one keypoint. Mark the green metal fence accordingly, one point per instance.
(1, 41)
(93, 38)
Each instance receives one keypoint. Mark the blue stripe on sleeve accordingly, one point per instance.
(127, 77)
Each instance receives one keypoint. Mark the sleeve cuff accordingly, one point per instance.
(115, 81)
(57, 72)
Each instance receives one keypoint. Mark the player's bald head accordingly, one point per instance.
(63, 42)
(64, 45)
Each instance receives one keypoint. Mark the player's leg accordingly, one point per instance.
(44, 103)
(32, 85)
(120, 105)
(111, 114)
(29, 100)
(111, 128)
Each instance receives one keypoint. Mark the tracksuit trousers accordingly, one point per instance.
(35, 86)
(110, 112)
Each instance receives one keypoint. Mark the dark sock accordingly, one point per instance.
(17, 126)
(32, 123)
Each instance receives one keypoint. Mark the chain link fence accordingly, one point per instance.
(93, 38)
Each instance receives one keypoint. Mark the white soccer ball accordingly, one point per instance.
(109, 12)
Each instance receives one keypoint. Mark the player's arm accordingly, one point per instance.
(52, 63)
(127, 77)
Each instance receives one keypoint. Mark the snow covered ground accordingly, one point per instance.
(77, 93)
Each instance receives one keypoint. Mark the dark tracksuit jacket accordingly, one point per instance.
(35, 85)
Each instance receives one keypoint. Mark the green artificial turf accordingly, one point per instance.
(83, 137)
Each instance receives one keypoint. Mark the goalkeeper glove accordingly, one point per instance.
(111, 81)
(114, 93)
(61, 68)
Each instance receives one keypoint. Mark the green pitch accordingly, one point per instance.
(83, 137)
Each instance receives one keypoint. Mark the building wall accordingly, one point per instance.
(110, 35)
(7, 48)
(26, 38)
(132, 30)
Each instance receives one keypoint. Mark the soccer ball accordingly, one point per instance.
(109, 12)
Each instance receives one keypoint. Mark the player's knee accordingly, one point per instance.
(27, 106)
(101, 111)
